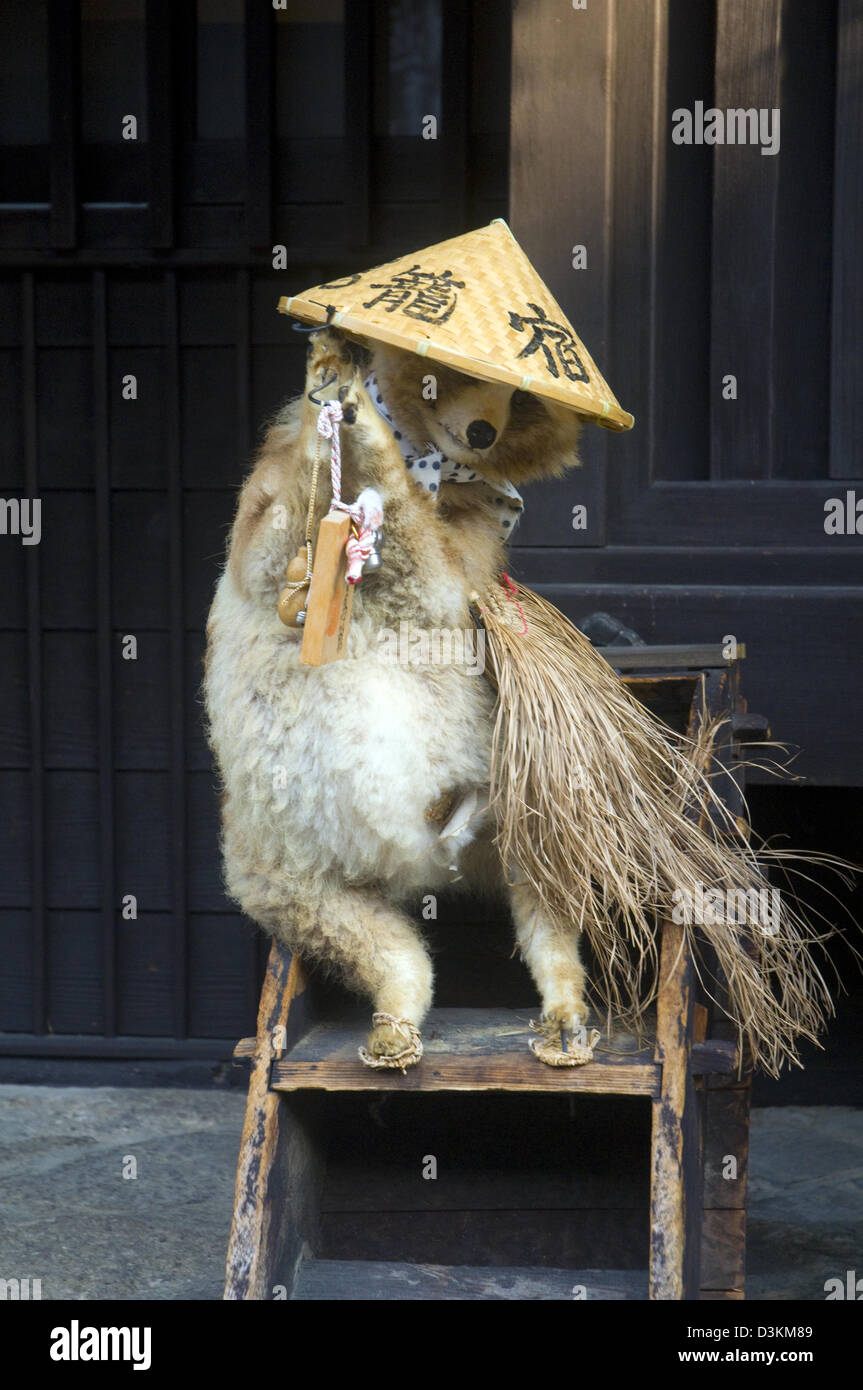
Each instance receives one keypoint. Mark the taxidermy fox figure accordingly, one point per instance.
(351, 789)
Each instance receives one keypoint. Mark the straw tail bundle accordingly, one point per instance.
(607, 812)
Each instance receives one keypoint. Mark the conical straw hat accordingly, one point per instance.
(474, 303)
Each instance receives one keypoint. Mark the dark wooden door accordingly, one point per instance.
(706, 263)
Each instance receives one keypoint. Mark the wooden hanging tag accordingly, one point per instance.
(328, 614)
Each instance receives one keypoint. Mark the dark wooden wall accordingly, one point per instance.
(708, 519)
(256, 128)
(301, 128)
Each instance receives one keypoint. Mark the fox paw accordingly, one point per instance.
(392, 1043)
(331, 370)
(562, 1042)
(328, 352)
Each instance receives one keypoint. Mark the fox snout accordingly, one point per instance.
(474, 415)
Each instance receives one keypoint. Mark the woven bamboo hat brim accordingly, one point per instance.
(474, 303)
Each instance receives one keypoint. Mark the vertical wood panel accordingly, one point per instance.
(804, 242)
(846, 455)
(34, 660)
(244, 365)
(726, 1135)
(455, 80)
(358, 114)
(64, 75)
(560, 196)
(161, 118)
(176, 649)
(748, 67)
(104, 642)
(723, 1254)
(676, 410)
(260, 123)
(639, 173)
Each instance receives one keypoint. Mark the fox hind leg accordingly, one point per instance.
(374, 948)
(553, 958)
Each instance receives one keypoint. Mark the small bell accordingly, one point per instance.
(373, 563)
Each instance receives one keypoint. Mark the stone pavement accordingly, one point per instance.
(70, 1217)
(805, 1218)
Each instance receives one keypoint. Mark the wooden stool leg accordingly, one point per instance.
(276, 1194)
(675, 1180)
(726, 1162)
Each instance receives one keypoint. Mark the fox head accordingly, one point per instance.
(502, 433)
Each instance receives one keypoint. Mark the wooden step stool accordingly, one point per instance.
(698, 1089)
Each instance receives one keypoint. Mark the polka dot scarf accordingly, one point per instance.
(434, 468)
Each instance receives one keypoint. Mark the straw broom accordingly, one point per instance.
(608, 813)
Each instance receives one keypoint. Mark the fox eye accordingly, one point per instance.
(521, 400)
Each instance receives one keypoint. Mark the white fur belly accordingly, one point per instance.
(331, 770)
